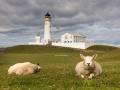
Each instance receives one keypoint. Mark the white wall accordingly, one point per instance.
(75, 45)
(37, 39)
(72, 45)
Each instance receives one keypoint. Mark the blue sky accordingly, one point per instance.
(22, 20)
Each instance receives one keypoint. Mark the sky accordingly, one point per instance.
(22, 20)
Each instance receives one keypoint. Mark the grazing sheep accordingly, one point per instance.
(88, 67)
(24, 68)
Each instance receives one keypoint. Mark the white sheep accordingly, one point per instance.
(13, 68)
(88, 67)
(24, 68)
(28, 69)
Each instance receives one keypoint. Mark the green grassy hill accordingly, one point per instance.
(37, 49)
(52, 49)
(102, 48)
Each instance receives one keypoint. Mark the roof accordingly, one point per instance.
(78, 35)
(47, 14)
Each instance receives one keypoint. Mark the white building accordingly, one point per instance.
(72, 38)
(67, 39)
(73, 41)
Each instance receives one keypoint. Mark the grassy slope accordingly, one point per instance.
(58, 71)
(51, 49)
(37, 49)
(102, 48)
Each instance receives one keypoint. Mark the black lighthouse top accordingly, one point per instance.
(47, 15)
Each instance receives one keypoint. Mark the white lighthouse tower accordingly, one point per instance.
(47, 29)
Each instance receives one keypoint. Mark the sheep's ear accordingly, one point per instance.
(82, 56)
(94, 56)
(38, 64)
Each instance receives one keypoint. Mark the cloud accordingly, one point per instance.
(96, 19)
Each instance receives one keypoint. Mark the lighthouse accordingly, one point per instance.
(47, 28)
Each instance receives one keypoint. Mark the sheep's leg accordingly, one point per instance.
(82, 76)
(91, 75)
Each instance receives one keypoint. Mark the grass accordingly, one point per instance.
(58, 71)
(102, 48)
(33, 49)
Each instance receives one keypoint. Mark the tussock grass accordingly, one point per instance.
(57, 71)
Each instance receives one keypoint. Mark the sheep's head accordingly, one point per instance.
(39, 68)
(88, 61)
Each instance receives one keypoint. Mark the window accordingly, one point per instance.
(66, 37)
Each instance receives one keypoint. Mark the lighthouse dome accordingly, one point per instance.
(47, 15)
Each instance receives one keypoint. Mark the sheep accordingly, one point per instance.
(88, 67)
(13, 68)
(28, 69)
(24, 68)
